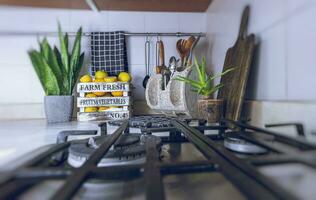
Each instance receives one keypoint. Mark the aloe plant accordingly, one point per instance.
(58, 70)
(204, 85)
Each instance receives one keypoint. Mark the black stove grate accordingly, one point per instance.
(241, 172)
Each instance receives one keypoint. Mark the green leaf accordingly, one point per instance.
(197, 66)
(74, 60)
(58, 56)
(189, 81)
(221, 74)
(44, 46)
(66, 41)
(55, 67)
(208, 84)
(203, 69)
(78, 68)
(64, 49)
(204, 85)
(45, 74)
(37, 66)
(214, 89)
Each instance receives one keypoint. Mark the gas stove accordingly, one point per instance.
(159, 157)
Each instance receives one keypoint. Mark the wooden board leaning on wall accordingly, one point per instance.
(240, 57)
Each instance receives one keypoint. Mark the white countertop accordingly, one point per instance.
(19, 137)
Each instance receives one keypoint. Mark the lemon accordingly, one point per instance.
(90, 95)
(110, 79)
(100, 74)
(90, 109)
(117, 93)
(99, 94)
(99, 80)
(124, 77)
(103, 108)
(102, 94)
(85, 79)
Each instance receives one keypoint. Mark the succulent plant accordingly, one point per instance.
(57, 70)
(204, 85)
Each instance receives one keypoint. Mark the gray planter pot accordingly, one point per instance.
(58, 108)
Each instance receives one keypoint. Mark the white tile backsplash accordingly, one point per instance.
(90, 21)
(13, 50)
(271, 75)
(301, 50)
(284, 67)
(295, 6)
(32, 19)
(137, 81)
(13, 84)
(15, 63)
(136, 50)
(272, 10)
(192, 22)
(161, 22)
(126, 21)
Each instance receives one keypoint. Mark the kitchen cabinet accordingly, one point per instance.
(124, 5)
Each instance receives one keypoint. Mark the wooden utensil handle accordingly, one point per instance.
(244, 23)
(161, 54)
(158, 69)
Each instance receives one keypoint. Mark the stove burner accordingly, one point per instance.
(146, 121)
(130, 148)
(242, 146)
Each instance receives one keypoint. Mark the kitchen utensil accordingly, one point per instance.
(187, 48)
(157, 51)
(172, 64)
(179, 47)
(238, 56)
(166, 74)
(147, 61)
(162, 69)
(192, 50)
(161, 60)
(183, 48)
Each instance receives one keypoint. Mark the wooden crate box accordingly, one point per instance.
(124, 102)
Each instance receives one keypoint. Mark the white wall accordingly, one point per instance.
(19, 84)
(282, 81)
(285, 65)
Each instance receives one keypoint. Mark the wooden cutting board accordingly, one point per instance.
(238, 56)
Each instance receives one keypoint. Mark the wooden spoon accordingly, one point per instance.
(187, 49)
(180, 50)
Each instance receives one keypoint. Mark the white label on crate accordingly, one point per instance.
(103, 101)
(107, 115)
(118, 115)
(102, 87)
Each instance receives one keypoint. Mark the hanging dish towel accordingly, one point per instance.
(108, 52)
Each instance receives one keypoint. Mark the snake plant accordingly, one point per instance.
(204, 85)
(58, 70)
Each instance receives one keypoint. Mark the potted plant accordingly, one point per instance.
(208, 108)
(58, 71)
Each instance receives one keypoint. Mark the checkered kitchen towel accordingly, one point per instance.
(108, 52)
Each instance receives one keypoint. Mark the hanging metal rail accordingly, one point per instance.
(143, 34)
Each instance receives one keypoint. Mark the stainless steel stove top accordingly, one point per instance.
(177, 160)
